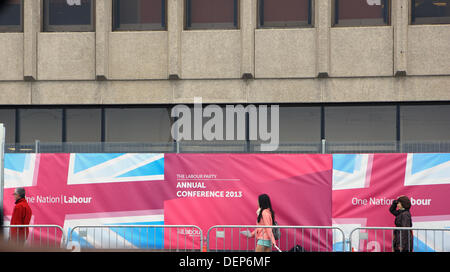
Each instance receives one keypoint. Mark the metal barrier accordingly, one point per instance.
(292, 238)
(138, 237)
(227, 238)
(53, 236)
(380, 239)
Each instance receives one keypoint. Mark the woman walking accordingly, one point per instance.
(266, 217)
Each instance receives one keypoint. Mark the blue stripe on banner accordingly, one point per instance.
(426, 161)
(15, 162)
(86, 161)
(344, 162)
(153, 168)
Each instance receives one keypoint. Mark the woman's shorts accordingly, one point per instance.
(266, 243)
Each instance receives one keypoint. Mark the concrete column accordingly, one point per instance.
(248, 17)
(31, 28)
(103, 26)
(400, 22)
(175, 24)
(322, 21)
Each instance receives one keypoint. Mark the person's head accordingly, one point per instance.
(404, 203)
(19, 193)
(264, 203)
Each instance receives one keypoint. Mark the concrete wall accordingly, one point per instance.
(317, 64)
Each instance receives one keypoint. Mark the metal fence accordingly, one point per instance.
(380, 239)
(312, 147)
(39, 236)
(234, 238)
(292, 238)
(137, 237)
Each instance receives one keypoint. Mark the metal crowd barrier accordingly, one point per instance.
(225, 238)
(138, 237)
(39, 236)
(379, 239)
(292, 238)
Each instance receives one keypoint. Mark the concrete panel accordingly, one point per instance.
(428, 50)
(361, 51)
(426, 88)
(66, 92)
(284, 91)
(15, 93)
(103, 23)
(366, 89)
(285, 53)
(210, 54)
(211, 91)
(138, 55)
(66, 56)
(11, 56)
(31, 26)
(136, 92)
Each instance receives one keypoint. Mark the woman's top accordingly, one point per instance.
(264, 233)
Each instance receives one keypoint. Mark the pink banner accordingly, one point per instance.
(172, 189)
(364, 186)
(299, 187)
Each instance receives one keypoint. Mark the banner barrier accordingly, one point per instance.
(347, 191)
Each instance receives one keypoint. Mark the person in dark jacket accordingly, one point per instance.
(403, 239)
(21, 216)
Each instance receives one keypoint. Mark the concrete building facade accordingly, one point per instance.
(392, 64)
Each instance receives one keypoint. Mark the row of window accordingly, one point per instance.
(384, 123)
(78, 15)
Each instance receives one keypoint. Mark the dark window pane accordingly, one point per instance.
(299, 124)
(139, 14)
(430, 12)
(285, 13)
(364, 129)
(360, 123)
(425, 123)
(11, 16)
(44, 125)
(83, 125)
(204, 14)
(69, 15)
(138, 125)
(8, 119)
(361, 12)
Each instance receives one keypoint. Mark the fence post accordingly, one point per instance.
(36, 146)
(2, 163)
(324, 146)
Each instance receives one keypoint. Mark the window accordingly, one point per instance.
(8, 119)
(137, 125)
(360, 128)
(211, 14)
(425, 123)
(83, 125)
(44, 125)
(69, 15)
(11, 16)
(139, 14)
(361, 12)
(360, 123)
(430, 11)
(285, 13)
(299, 124)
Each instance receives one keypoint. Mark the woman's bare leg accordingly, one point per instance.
(260, 248)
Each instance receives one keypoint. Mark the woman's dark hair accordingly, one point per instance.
(406, 203)
(264, 203)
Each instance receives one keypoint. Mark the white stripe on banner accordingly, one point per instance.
(439, 174)
(111, 170)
